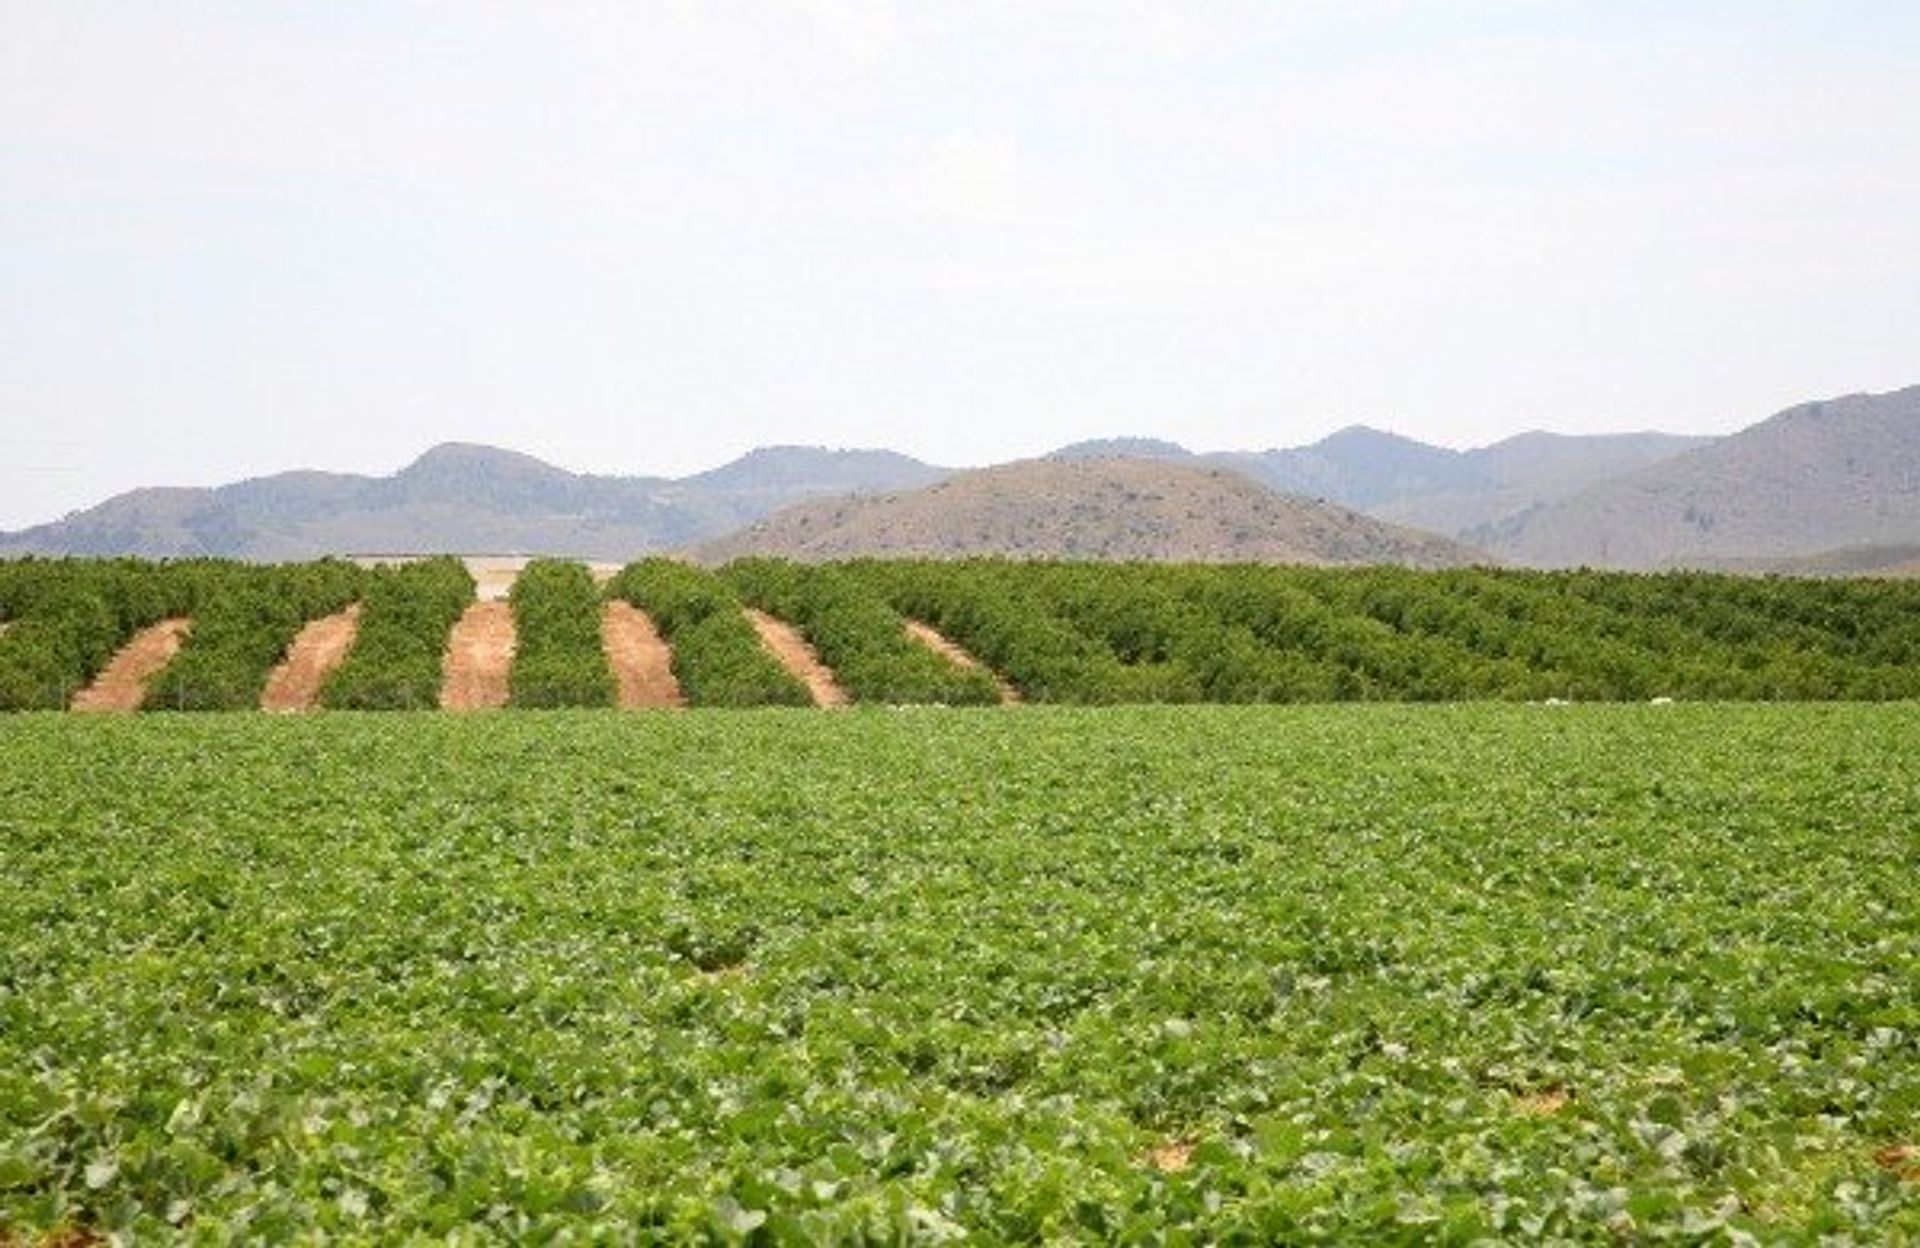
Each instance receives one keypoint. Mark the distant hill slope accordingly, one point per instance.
(1527, 471)
(463, 497)
(1845, 472)
(1099, 508)
(1413, 483)
(1900, 559)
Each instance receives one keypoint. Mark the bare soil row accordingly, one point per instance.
(479, 660)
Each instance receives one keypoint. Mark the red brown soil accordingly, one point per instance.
(929, 637)
(784, 642)
(479, 657)
(321, 645)
(122, 685)
(1901, 1161)
(642, 664)
(1171, 1157)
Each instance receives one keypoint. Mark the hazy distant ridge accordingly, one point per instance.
(1840, 473)
(463, 497)
(1827, 485)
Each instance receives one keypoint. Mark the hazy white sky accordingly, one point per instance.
(239, 237)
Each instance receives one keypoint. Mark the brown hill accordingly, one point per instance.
(1114, 509)
(1813, 478)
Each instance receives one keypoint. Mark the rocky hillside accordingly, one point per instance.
(1814, 478)
(1092, 508)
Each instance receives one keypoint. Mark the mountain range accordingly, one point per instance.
(1843, 473)
(1825, 486)
(465, 498)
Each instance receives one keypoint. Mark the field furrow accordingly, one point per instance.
(642, 663)
(122, 684)
(479, 658)
(320, 647)
(784, 642)
(954, 653)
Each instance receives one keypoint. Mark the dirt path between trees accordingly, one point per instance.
(642, 664)
(951, 651)
(123, 683)
(479, 657)
(784, 642)
(321, 645)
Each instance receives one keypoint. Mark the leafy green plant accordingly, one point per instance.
(1399, 974)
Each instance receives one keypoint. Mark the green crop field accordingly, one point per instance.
(1415, 973)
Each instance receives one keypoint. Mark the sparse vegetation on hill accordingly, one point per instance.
(1845, 472)
(1825, 488)
(465, 498)
(1092, 509)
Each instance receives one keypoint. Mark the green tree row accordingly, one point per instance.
(244, 619)
(396, 660)
(66, 617)
(558, 659)
(1079, 632)
(1060, 632)
(858, 634)
(716, 657)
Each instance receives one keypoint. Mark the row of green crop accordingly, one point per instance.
(559, 658)
(858, 635)
(244, 618)
(1060, 632)
(396, 660)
